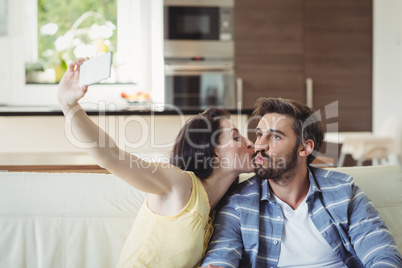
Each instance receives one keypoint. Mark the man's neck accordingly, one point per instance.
(293, 192)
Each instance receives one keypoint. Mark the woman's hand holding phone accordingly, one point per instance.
(69, 90)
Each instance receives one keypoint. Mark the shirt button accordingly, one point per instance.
(279, 218)
(275, 242)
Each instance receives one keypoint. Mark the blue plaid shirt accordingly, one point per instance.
(248, 228)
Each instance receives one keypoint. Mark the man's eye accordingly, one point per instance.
(259, 134)
(276, 137)
(237, 138)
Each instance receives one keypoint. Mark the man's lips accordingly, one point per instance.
(259, 159)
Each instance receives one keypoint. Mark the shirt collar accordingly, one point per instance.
(267, 194)
(313, 181)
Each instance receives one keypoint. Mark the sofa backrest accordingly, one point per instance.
(64, 220)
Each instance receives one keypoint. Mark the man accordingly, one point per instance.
(293, 215)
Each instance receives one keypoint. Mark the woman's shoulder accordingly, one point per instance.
(198, 196)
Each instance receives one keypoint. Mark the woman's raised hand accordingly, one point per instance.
(69, 91)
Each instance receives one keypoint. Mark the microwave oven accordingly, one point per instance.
(194, 28)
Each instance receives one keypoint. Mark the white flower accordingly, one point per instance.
(110, 25)
(64, 42)
(83, 50)
(77, 42)
(49, 29)
(106, 32)
(94, 32)
(102, 31)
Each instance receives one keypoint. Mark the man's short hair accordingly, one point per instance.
(306, 125)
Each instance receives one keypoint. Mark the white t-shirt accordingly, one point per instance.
(302, 245)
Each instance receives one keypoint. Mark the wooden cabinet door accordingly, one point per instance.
(269, 49)
(279, 44)
(338, 58)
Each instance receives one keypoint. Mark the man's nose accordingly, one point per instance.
(261, 145)
(249, 143)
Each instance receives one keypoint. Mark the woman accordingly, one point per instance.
(173, 226)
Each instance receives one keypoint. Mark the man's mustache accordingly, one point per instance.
(262, 152)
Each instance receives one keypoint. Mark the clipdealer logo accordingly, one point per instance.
(116, 128)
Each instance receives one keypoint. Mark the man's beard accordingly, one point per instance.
(278, 169)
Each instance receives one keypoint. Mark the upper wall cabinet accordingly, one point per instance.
(269, 49)
(312, 51)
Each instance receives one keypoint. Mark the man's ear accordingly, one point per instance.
(306, 148)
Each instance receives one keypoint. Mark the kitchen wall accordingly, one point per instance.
(387, 60)
(151, 137)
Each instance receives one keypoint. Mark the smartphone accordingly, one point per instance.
(95, 70)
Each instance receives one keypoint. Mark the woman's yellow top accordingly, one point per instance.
(170, 241)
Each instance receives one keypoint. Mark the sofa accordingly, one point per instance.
(73, 220)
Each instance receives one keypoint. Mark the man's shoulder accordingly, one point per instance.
(330, 176)
(330, 181)
(247, 187)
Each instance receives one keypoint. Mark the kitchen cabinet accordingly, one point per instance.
(269, 49)
(280, 44)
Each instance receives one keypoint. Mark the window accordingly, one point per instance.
(137, 58)
(3, 17)
(69, 30)
(66, 30)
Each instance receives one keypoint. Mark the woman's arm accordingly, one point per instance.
(145, 176)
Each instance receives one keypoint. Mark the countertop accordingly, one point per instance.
(111, 110)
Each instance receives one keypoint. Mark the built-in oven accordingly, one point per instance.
(200, 84)
(194, 28)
